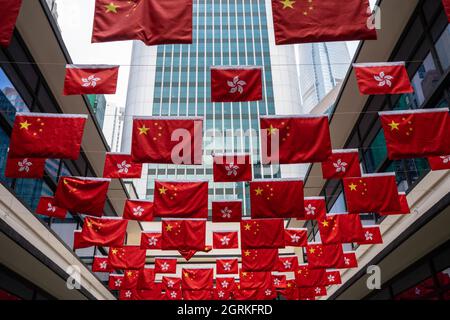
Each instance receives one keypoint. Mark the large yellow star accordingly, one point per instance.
(325, 223)
(169, 227)
(312, 250)
(288, 4)
(111, 8)
(162, 190)
(394, 125)
(114, 251)
(25, 125)
(258, 191)
(247, 226)
(272, 130)
(352, 186)
(143, 130)
(247, 253)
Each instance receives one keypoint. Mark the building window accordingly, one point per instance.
(425, 80)
(443, 49)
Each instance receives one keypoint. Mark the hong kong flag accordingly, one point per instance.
(232, 168)
(324, 255)
(171, 283)
(340, 228)
(296, 237)
(197, 279)
(382, 78)
(236, 84)
(262, 233)
(24, 168)
(333, 277)
(47, 135)
(306, 277)
(409, 135)
(8, 16)
(439, 162)
(181, 199)
(225, 240)
(225, 283)
(46, 206)
(167, 265)
(287, 264)
(279, 282)
(446, 4)
(315, 207)
(83, 195)
(371, 235)
(254, 280)
(342, 163)
(130, 279)
(227, 266)
(173, 295)
(139, 210)
(295, 139)
(104, 231)
(126, 257)
(219, 294)
(100, 264)
(404, 206)
(151, 240)
(372, 193)
(78, 241)
(183, 234)
(146, 280)
(90, 79)
(276, 198)
(227, 211)
(167, 140)
(115, 281)
(120, 165)
(259, 259)
(348, 261)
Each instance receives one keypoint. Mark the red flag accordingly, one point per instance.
(115, 281)
(276, 198)
(439, 162)
(126, 257)
(120, 165)
(151, 240)
(342, 163)
(446, 4)
(287, 264)
(90, 79)
(146, 280)
(46, 207)
(232, 168)
(227, 266)
(25, 168)
(279, 282)
(225, 240)
(371, 235)
(183, 234)
(227, 211)
(153, 294)
(267, 293)
(262, 233)
(340, 228)
(321, 21)
(382, 78)
(404, 206)
(171, 283)
(139, 210)
(295, 139)
(371, 193)
(259, 259)
(78, 241)
(47, 135)
(82, 195)
(348, 261)
(128, 294)
(151, 21)
(104, 231)
(181, 199)
(197, 295)
(234, 84)
(167, 140)
(296, 237)
(254, 280)
(173, 295)
(225, 283)
(130, 279)
(324, 255)
(100, 264)
(197, 279)
(8, 16)
(167, 265)
(219, 294)
(315, 207)
(306, 277)
(188, 254)
(333, 277)
(409, 134)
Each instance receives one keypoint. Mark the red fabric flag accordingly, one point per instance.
(153, 294)
(446, 4)
(234, 84)
(408, 133)
(167, 140)
(254, 280)
(146, 280)
(225, 240)
(100, 264)
(183, 234)
(268, 293)
(279, 282)
(232, 168)
(404, 206)
(227, 266)
(128, 294)
(382, 78)
(319, 291)
(225, 283)
(371, 193)
(287, 264)
(181, 199)
(291, 290)
(139, 210)
(333, 277)
(151, 240)
(82, 195)
(150, 21)
(197, 295)
(78, 241)
(130, 279)
(276, 198)
(173, 295)
(324, 255)
(371, 235)
(167, 265)
(46, 207)
(90, 79)
(348, 261)
(188, 254)
(322, 21)
(115, 281)
(127, 257)
(219, 294)
(197, 279)
(227, 211)
(25, 168)
(47, 135)
(306, 277)
(439, 162)
(171, 283)
(315, 207)
(8, 16)
(296, 237)
(120, 165)
(341, 164)
(104, 231)
(306, 294)
(259, 259)
(295, 139)
(262, 233)
(340, 228)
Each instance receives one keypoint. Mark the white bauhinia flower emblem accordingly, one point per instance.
(128, 294)
(295, 238)
(368, 235)
(384, 79)
(225, 241)
(152, 241)
(340, 165)
(346, 261)
(103, 265)
(331, 278)
(224, 284)
(90, 81)
(232, 169)
(417, 291)
(221, 294)
(138, 211)
(287, 264)
(445, 159)
(118, 282)
(50, 207)
(123, 167)
(310, 210)
(227, 266)
(268, 292)
(226, 213)
(236, 85)
(165, 266)
(317, 290)
(170, 284)
(24, 165)
(173, 294)
(276, 281)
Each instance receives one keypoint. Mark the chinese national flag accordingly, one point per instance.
(295, 139)
(25, 168)
(115, 281)
(47, 135)
(225, 283)
(341, 164)
(197, 295)
(8, 16)
(306, 277)
(153, 294)
(90, 79)
(104, 231)
(267, 293)
(340, 228)
(324, 255)
(287, 264)
(151, 21)
(120, 165)
(296, 237)
(348, 261)
(236, 84)
(333, 277)
(291, 290)
(227, 266)
(404, 206)
(371, 235)
(100, 264)
(232, 168)
(165, 265)
(409, 134)
(146, 280)
(78, 241)
(171, 283)
(197, 279)
(262, 233)
(382, 78)
(151, 240)
(82, 195)
(322, 21)
(130, 279)
(446, 4)
(279, 282)
(439, 162)
(372, 193)
(254, 280)
(46, 207)
(181, 199)
(139, 210)
(276, 199)
(315, 207)
(167, 140)
(227, 211)
(259, 259)
(225, 240)
(126, 257)
(183, 234)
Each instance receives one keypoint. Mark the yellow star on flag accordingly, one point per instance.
(352, 186)
(258, 191)
(111, 8)
(25, 125)
(169, 227)
(288, 4)
(272, 130)
(143, 130)
(247, 226)
(162, 190)
(312, 250)
(394, 125)
(247, 253)
(114, 251)
(325, 223)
